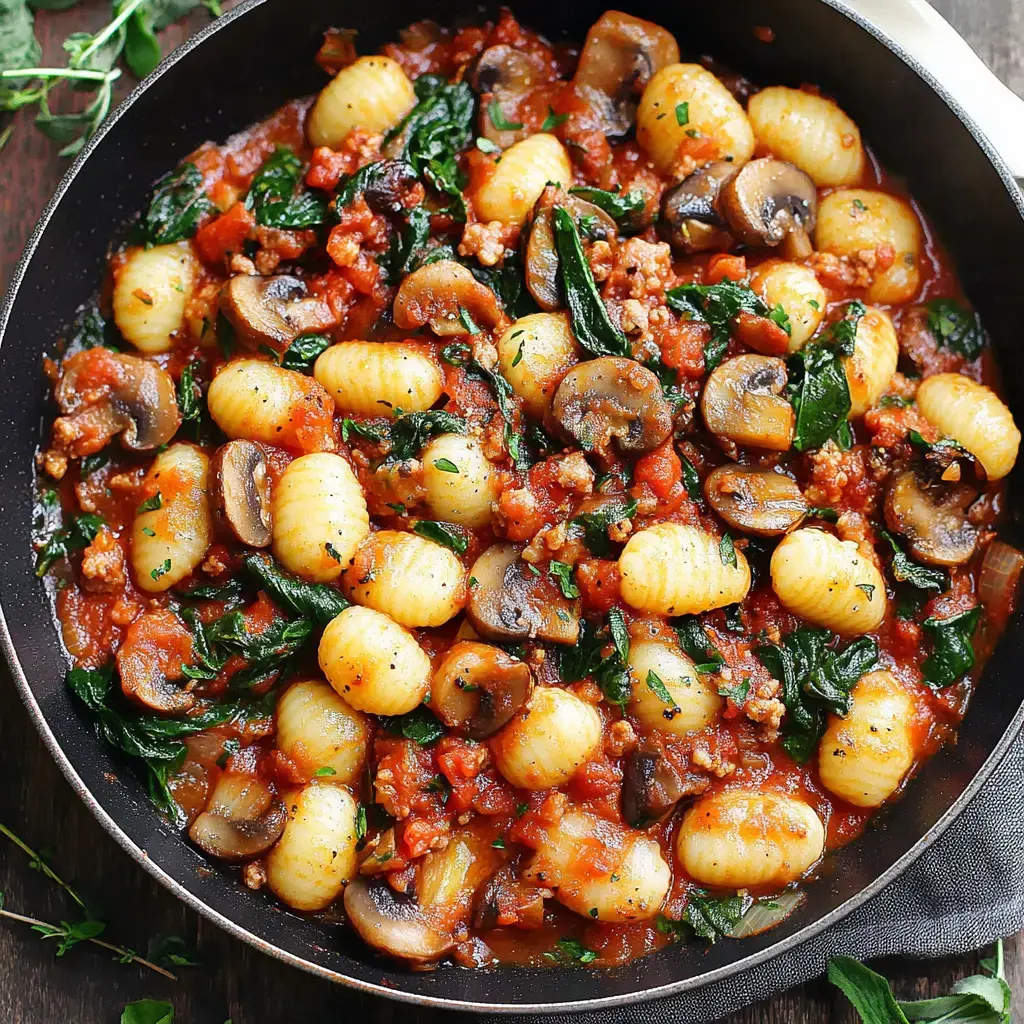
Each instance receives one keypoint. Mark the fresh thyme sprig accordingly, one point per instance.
(70, 934)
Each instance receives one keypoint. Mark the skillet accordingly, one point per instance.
(238, 71)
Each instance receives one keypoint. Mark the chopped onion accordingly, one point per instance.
(766, 913)
(997, 585)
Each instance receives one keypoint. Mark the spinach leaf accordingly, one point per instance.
(406, 246)
(278, 197)
(369, 177)
(737, 692)
(446, 534)
(317, 602)
(411, 431)
(569, 951)
(585, 659)
(816, 680)
(156, 741)
(91, 330)
(369, 431)
(563, 573)
(67, 540)
(718, 305)
(694, 640)
(595, 524)
(904, 570)
(229, 593)
(435, 130)
(691, 479)
(626, 209)
(952, 654)
(508, 281)
(189, 395)
(505, 397)
(956, 328)
(418, 725)
(91, 463)
(301, 354)
(179, 203)
(710, 917)
(591, 322)
(818, 386)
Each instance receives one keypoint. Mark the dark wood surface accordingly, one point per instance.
(234, 981)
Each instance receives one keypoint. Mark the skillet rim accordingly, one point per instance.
(139, 855)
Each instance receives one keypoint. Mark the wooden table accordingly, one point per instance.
(234, 981)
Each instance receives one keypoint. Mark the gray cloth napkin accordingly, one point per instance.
(964, 892)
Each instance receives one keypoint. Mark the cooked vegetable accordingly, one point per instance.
(759, 501)
(241, 492)
(768, 199)
(743, 402)
(242, 819)
(392, 922)
(933, 519)
(273, 311)
(691, 212)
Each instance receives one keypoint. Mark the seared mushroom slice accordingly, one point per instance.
(393, 923)
(273, 311)
(478, 688)
(612, 398)
(541, 254)
(505, 75)
(767, 199)
(136, 400)
(511, 602)
(156, 647)
(505, 900)
(385, 189)
(743, 402)
(242, 819)
(755, 500)
(691, 215)
(933, 519)
(241, 491)
(620, 56)
(652, 786)
(438, 293)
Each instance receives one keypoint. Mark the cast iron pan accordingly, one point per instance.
(238, 71)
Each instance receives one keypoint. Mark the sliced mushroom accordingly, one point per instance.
(241, 491)
(620, 56)
(385, 191)
(504, 75)
(755, 500)
(478, 688)
(393, 923)
(541, 253)
(242, 819)
(768, 199)
(115, 393)
(511, 602)
(933, 519)
(652, 786)
(691, 214)
(505, 901)
(612, 398)
(438, 293)
(743, 402)
(150, 660)
(273, 311)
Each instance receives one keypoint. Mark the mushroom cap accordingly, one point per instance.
(510, 602)
(933, 519)
(243, 818)
(437, 294)
(691, 216)
(652, 785)
(755, 500)
(767, 199)
(140, 395)
(149, 662)
(273, 311)
(393, 922)
(386, 189)
(542, 280)
(506, 74)
(241, 491)
(478, 687)
(612, 398)
(620, 56)
(743, 402)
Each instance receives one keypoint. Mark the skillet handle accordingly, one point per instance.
(923, 33)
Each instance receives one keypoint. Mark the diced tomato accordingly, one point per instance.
(225, 235)
(661, 469)
(327, 168)
(599, 583)
(760, 334)
(722, 266)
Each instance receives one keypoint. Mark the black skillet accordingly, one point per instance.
(237, 72)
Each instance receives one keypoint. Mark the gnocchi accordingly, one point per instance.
(534, 354)
(151, 291)
(796, 288)
(461, 484)
(509, 192)
(694, 703)
(875, 354)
